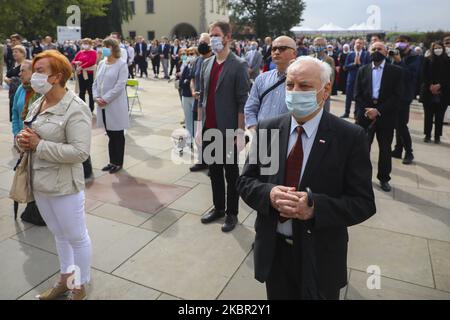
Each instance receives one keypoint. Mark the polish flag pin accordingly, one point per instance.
(322, 141)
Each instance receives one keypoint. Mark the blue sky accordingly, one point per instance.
(406, 15)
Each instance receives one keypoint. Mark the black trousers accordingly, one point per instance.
(284, 281)
(384, 131)
(116, 145)
(231, 169)
(143, 65)
(86, 86)
(131, 71)
(156, 63)
(436, 112)
(174, 65)
(403, 137)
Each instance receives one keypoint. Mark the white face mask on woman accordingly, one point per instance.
(40, 84)
(438, 52)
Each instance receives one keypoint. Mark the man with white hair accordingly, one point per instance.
(322, 186)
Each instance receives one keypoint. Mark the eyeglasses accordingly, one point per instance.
(281, 48)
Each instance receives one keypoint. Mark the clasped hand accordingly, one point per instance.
(291, 204)
(28, 140)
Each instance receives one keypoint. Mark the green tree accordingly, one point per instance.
(117, 12)
(38, 18)
(267, 17)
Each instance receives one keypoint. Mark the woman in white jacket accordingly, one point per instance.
(110, 94)
(57, 133)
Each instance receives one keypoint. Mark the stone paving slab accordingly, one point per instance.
(134, 193)
(399, 256)
(112, 243)
(390, 290)
(103, 286)
(187, 265)
(23, 267)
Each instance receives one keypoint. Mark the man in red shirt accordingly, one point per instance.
(225, 85)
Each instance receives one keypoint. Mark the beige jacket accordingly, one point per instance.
(65, 130)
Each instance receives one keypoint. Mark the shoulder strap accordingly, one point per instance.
(276, 85)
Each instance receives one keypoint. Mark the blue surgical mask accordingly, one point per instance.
(302, 103)
(106, 52)
(319, 49)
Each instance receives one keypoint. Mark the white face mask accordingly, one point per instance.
(447, 49)
(85, 46)
(39, 83)
(438, 52)
(217, 44)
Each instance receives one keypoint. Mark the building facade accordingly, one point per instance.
(153, 19)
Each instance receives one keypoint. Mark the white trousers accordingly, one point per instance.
(66, 219)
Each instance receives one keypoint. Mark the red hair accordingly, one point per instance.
(58, 64)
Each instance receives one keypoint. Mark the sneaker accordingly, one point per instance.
(54, 293)
(78, 295)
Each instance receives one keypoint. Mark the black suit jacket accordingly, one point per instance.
(339, 174)
(390, 92)
(144, 51)
(166, 51)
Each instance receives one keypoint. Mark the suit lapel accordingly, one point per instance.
(322, 143)
(285, 129)
(208, 74)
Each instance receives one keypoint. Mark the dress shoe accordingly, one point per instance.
(230, 223)
(437, 140)
(427, 139)
(108, 167)
(409, 157)
(115, 169)
(212, 216)
(198, 167)
(54, 293)
(345, 116)
(78, 295)
(385, 186)
(397, 154)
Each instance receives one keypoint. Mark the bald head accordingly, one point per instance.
(284, 50)
(285, 41)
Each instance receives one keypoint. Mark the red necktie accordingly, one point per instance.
(294, 165)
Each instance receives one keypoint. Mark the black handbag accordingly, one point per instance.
(32, 215)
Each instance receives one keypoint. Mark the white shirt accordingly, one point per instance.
(308, 137)
(377, 75)
(131, 54)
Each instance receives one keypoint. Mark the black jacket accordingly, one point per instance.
(144, 52)
(339, 173)
(436, 71)
(391, 91)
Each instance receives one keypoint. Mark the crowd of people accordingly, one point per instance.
(323, 184)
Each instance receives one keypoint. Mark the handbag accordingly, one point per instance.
(21, 187)
(32, 215)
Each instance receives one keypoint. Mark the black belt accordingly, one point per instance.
(286, 239)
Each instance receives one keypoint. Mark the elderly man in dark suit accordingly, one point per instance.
(225, 85)
(378, 92)
(316, 184)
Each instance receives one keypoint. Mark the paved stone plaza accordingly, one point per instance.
(148, 242)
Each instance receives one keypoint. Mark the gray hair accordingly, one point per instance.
(325, 69)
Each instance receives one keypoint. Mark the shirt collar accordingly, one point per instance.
(309, 127)
(381, 66)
